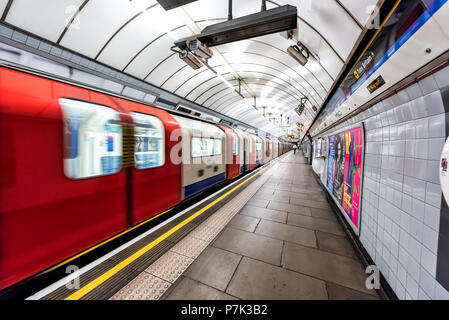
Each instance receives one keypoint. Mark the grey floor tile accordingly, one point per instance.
(310, 203)
(271, 197)
(315, 224)
(258, 203)
(214, 267)
(283, 187)
(264, 213)
(289, 208)
(285, 232)
(323, 214)
(263, 192)
(337, 292)
(299, 196)
(244, 223)
(255, 280)
(278, 198)
(267, 189)
(317, 197)
(189, 289)
(250, 245)
(335, 244)
(306, 189)
(324, 265)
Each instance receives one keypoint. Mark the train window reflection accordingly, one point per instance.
(236, 143)
(206, 147)
(149, 141)
(92, 139)
(217, 147)
(197, 147)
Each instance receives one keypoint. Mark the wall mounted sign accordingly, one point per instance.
(376, 84)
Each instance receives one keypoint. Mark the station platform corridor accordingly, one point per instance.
(283, 242)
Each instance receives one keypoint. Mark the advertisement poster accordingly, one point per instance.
(353, 173)
(339, 166)
(330, 164)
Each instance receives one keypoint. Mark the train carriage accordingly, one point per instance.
(79, 166)
(203, 155)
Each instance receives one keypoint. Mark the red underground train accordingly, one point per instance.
(78, 166)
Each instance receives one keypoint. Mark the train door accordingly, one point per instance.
(154, 184)
(252, 151)
(258, 148)
(232, 158)
(241, 150)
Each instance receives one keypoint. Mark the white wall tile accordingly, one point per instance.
(414, 91)
(433, 171)
(427, 282)
(429, 261)
(434, 103)
(432, 217)
(414, 248)
(402, 274)
(400, 291)
(442, 78)
(430, 238)
(437, 126)
(435, 148)
(416, 230)
(422, 128)
(428, 84)
(422, 295)
(440, 292)
(421, 148)
(412, 288)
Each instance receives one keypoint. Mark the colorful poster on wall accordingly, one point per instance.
(339, 166)
(330, 164)
(352, 174)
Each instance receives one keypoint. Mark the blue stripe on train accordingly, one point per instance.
(200, 186)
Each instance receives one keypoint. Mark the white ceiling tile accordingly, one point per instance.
(98, 21)
(45, 18)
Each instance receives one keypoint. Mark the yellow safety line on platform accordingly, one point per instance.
(108, 240)
(105, 276)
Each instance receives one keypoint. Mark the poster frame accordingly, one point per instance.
(362, 181)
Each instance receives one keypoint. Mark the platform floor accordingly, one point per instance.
(285, 243)
(277, 239)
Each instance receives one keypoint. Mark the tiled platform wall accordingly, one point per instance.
(401, 202)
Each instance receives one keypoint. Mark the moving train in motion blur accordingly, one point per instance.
(79, 166)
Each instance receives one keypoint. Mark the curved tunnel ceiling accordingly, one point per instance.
(135, 36)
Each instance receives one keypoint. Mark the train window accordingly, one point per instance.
(206, 147)
(149, 136)
(236, 143)
(217, 147)
(258, 146)
(250, 144)
(92, 139)
(197, 146)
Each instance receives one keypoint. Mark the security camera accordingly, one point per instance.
(299, 52)
(190, 59)
(199, 49)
